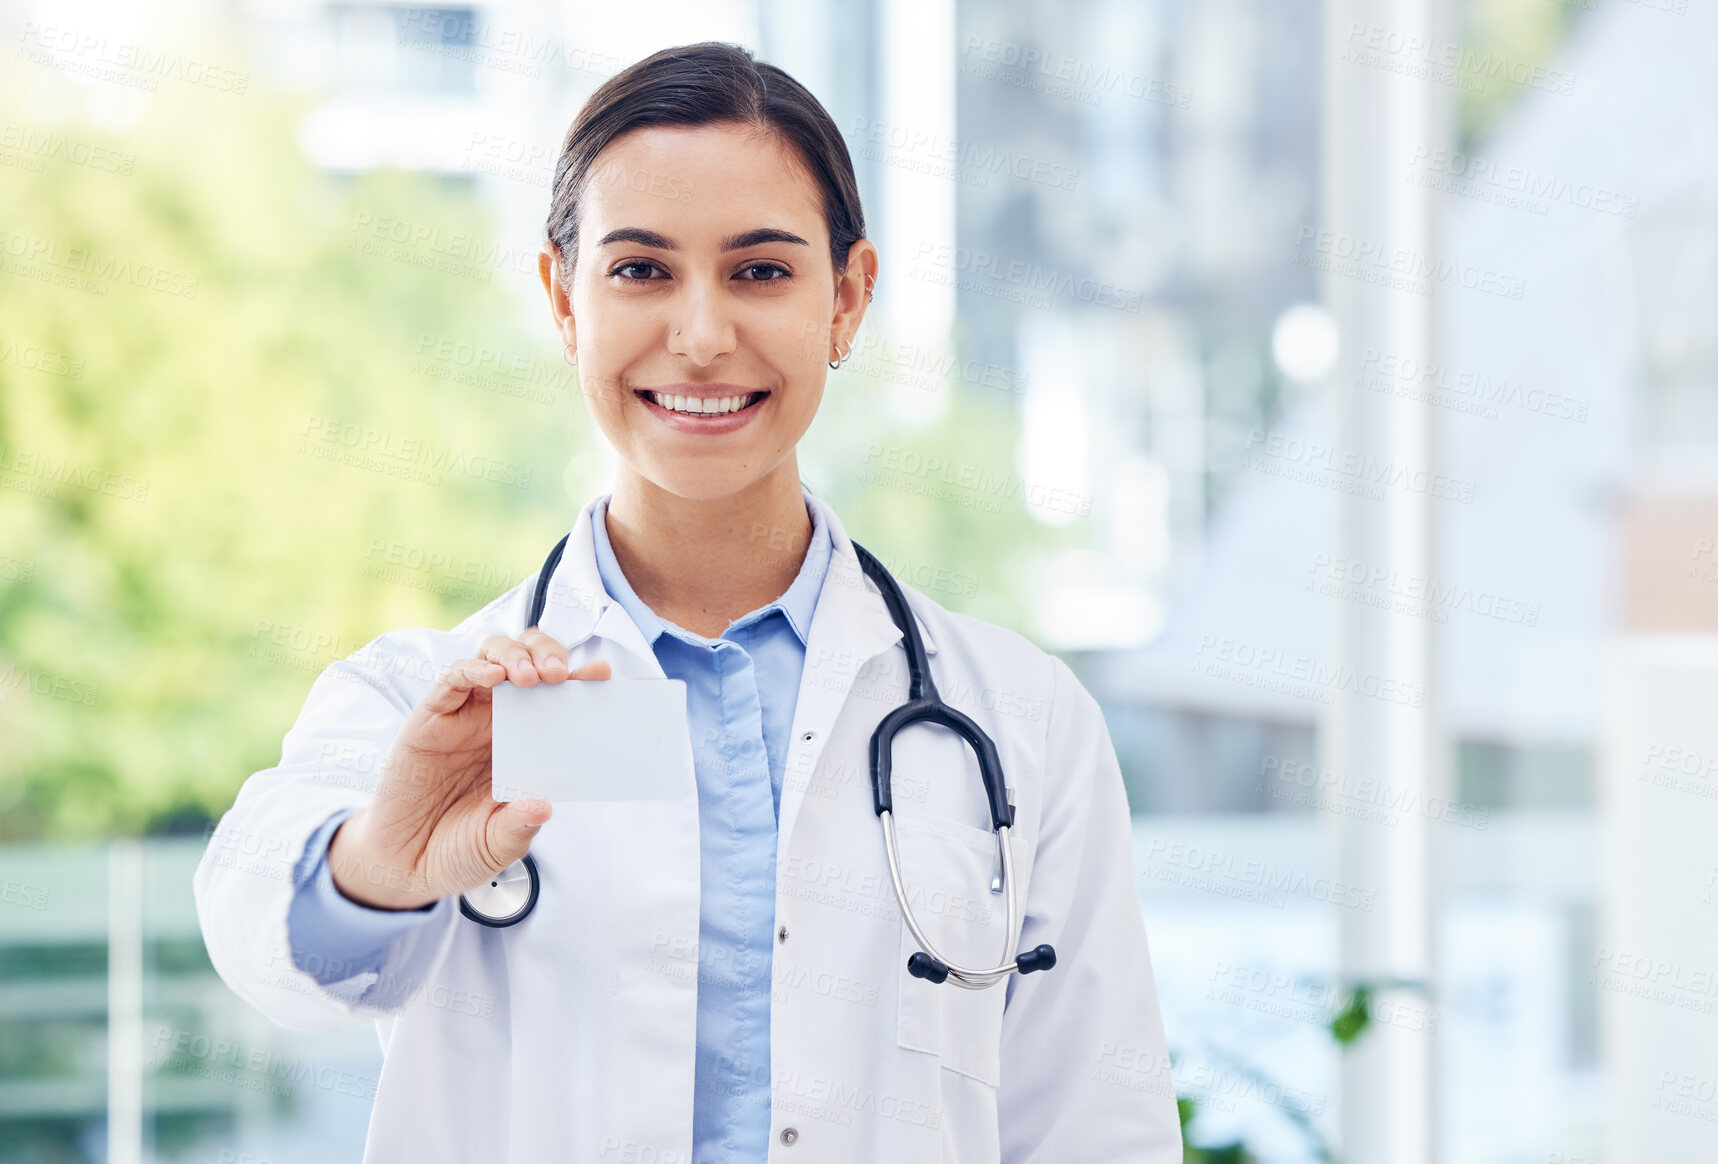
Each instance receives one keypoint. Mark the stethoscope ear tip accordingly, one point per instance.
(1037, 958)
(922, 965)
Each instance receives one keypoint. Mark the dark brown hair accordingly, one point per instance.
(706, 84)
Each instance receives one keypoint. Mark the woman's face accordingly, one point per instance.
(703, 272)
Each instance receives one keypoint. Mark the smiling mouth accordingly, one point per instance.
(701, 406)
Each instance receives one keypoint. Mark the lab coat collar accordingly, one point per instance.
(850, 608)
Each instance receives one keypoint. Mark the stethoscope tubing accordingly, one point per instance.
(923, 705)
(969, 977)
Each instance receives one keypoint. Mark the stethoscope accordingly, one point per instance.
(512, 894)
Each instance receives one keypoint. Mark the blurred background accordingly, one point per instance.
(1334, 386)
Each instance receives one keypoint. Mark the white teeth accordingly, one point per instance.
(700, 407)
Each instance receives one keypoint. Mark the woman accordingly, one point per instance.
(723, 976)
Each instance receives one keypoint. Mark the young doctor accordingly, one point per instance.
(723, 976)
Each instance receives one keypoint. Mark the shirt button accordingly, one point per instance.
(789, 1136)
(781, 934)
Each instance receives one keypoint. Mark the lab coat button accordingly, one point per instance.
(807, 737)
(781, 934)
(789, 1135)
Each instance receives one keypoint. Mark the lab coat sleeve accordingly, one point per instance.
(334, 937)
(247, 878)
(1085, 1065)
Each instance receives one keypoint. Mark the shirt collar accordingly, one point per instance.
(797, 604)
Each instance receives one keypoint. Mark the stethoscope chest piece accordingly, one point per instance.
(510, 895)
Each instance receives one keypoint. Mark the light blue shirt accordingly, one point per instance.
(741, 689)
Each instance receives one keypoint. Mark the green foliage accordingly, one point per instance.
(1504, 41)
(1235, 1153)
(1351, 1021)
(165, 517)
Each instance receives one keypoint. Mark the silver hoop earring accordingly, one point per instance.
(843, 359)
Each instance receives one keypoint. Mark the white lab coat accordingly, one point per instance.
(570, 1036)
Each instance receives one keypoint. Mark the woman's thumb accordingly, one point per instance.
(514, 826)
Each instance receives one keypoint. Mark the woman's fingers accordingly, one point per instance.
(595, 669)
(547, 655)
(526, 661)
(513, 655)
(458, 681)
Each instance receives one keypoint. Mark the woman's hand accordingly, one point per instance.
(431, 829)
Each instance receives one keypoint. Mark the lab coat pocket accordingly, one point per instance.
(946, 867)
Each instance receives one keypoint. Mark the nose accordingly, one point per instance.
(701, 323)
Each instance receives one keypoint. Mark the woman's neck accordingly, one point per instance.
(702, 564)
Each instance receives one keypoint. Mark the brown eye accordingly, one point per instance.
(636, 265)
(776, 267)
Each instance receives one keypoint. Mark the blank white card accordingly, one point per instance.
(592, 739)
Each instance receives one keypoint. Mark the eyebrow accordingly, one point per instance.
(734, 242)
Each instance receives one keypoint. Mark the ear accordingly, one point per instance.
(852, 295)
(560, 304)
